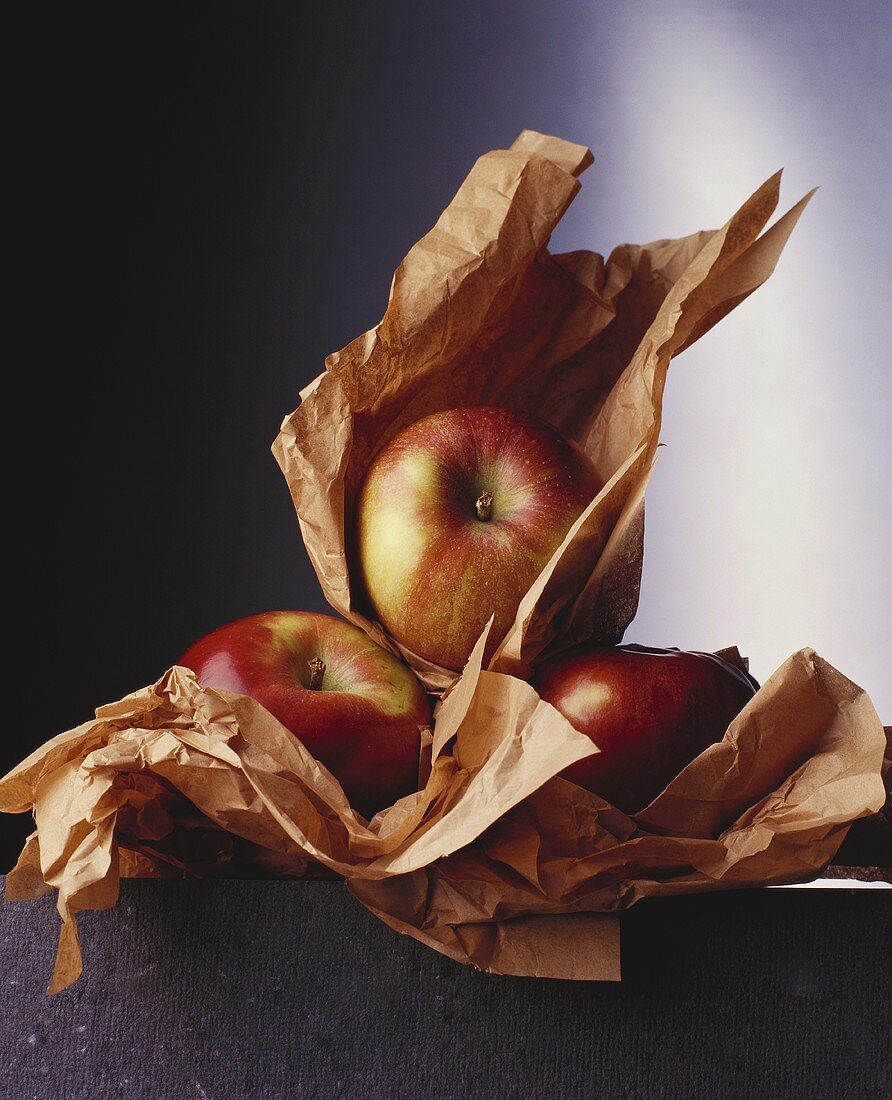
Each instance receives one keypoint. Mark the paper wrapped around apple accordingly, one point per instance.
(482, 314)
(361, 713)
(178, 779)
(358, 710)
(498, 551)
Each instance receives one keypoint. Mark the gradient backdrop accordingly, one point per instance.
(214, 196)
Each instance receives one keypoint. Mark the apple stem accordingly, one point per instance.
(317, 671)
(483, 507)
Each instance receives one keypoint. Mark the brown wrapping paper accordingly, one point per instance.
(485, 862)
(495, 861)
(186, 777)
(769, 804)
(481, 313)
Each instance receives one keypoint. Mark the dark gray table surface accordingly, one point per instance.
(264, 989)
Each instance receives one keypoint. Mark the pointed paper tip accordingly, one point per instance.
(798, 207)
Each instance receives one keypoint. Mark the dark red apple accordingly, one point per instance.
(649, 711)
(457, 516)
(356, 707)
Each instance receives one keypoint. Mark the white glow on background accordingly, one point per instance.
(768, 522)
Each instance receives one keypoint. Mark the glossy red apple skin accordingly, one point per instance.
(364, 720)
(433, 570)
(649, 711)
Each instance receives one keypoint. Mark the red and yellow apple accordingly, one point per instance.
(457, 516)
(357, 708)
(649, 711)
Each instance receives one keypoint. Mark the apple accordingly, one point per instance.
(357, 708)
(649, 711)
(457, 516)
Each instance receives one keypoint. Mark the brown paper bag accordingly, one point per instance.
(481, 313)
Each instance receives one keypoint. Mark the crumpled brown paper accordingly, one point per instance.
(486, 861)
(481, 313)
(183, 777)
(769, 804)
(495, 861)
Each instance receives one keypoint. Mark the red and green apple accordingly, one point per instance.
(357, 708)
(457, 516)
(649, 711)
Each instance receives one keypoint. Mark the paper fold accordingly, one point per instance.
(481, 313)
(769, 804)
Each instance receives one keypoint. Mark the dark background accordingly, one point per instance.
(213, 198)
